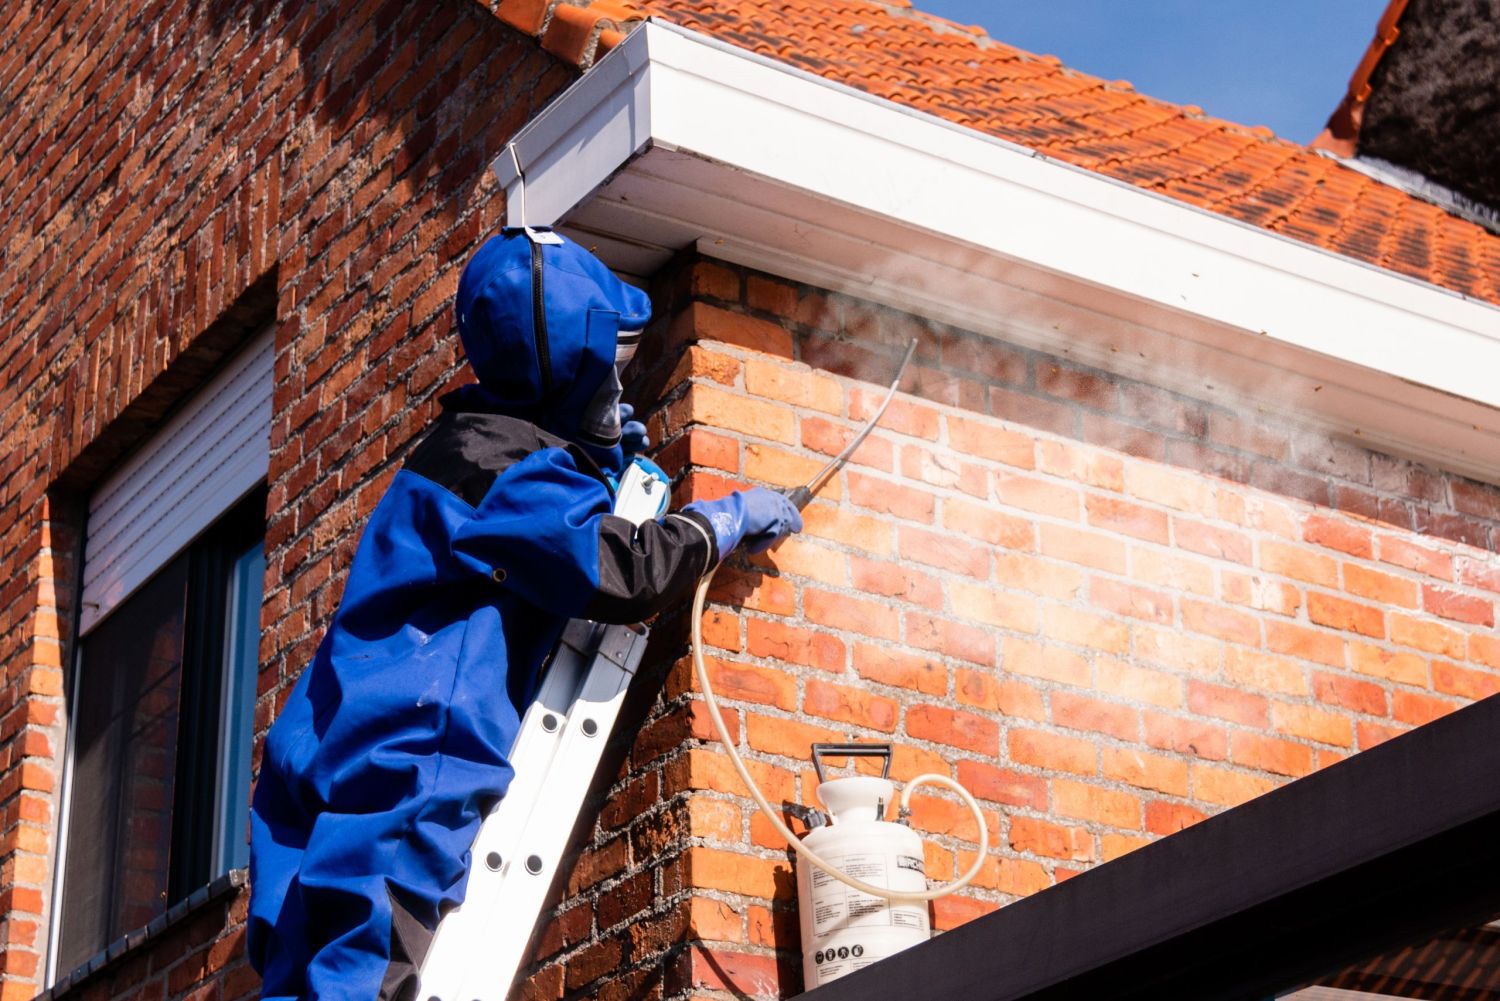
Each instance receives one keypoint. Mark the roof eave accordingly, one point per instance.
(675, 139)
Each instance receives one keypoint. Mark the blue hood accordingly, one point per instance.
(544, 364)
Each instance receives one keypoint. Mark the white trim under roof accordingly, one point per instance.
(675, 139)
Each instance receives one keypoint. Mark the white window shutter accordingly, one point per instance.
(207, 456)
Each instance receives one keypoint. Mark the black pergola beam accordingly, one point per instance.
(1395, 843)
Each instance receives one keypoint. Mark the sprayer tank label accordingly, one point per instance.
(838, 906)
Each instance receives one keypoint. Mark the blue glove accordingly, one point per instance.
(758, 517)
(633, 438)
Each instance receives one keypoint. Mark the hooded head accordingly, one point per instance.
(543, 323)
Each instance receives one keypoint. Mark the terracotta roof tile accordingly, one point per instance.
(958, 73)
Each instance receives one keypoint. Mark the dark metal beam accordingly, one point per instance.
(1397, 842)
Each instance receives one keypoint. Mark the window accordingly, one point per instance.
(157, 784)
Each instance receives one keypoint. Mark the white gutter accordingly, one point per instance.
(676, 139)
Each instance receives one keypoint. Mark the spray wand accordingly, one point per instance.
(800, 496)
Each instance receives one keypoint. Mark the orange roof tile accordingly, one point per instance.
(956, 72)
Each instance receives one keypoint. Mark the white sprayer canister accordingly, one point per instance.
(843, 929)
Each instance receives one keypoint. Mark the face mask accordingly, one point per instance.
(601, 419)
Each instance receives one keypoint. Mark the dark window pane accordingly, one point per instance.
(127, 700)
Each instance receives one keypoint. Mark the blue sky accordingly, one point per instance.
(1280, 63)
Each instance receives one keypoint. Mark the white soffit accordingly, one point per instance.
(207, 456)
(675, 139)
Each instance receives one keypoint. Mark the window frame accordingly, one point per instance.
(199, 812)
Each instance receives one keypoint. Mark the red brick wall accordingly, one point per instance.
(1108, 610)
(178, 172)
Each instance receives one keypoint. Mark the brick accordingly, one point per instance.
(1311, 724)
(827, 438)
(770, 296)
(1015, 699)
(749, 683)
(1351, 693)
(1451, 679)
(1124, 680)
(857, 532)
(796, 385)
(786, 737)
(704, 404)
(1426, 635)
(954, 727)
(944, 552)
(1040, 496)
(951, 912)
(1457, 606)
(1350, 616)
(1126, 599)
(1149, 565)
(1164, 818)
(1212, 540)
(988, 441)
(849, 705)
(1033, 836)
(896, 580)
(1092, 803)
(1067, 625)
(840, 611)
(1271, 754)
(714, 324)
(1225, 787)
(1085, 465)
(1388, 589)
(1225, 703)
(1252, 669)
(1079, 712)
(953, 639)
(1371, 734)
(892, 667)
(1265, 594)
(1175, 650)
(1305, 644)
(1086, 548)
(777, 640)
(1416, 708)
(1044, 578)
(888, 497)
(781, 468)
(1116, 515)
(1215, 620)
(905, 416)
(1399, 552)
(1299, 563)
(1052, 752)
(1001, 785)
(986, 523)
(1392, 665)
(1479, 573)
(1336, 533)
(806, 557)
(737, 973)
(1484, 650)
(994, 607)
(1145, 770)
(1089, 388)
(942, 469)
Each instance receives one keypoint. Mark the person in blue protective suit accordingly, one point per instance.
(496, 530)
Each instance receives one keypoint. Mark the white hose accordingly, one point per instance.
(775, 818)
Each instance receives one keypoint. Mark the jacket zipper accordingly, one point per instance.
(539, 322)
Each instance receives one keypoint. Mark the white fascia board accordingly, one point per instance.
(677, 139)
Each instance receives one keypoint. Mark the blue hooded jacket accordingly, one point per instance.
(497, 529)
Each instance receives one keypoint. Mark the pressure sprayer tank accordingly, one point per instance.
(844, 930)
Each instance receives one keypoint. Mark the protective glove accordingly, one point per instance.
(758, 517)
(633, 438)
